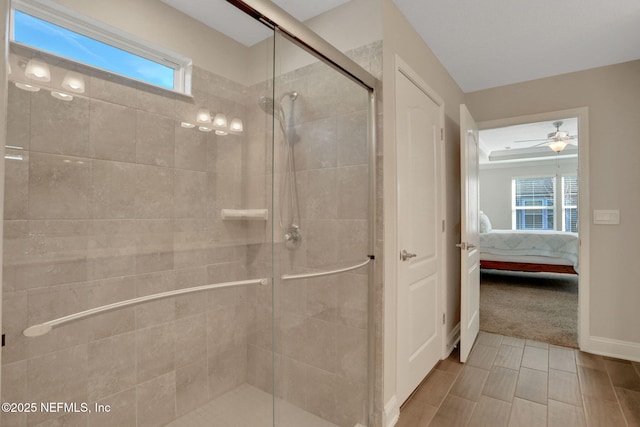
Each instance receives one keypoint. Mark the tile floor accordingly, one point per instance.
(512, 382)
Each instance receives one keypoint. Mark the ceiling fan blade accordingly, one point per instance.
(529, 140)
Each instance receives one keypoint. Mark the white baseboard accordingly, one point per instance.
(613, 348)
(453, 338)
(391, 412)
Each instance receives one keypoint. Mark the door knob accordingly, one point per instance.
(404, 255)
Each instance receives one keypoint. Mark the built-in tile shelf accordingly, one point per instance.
(245, 214)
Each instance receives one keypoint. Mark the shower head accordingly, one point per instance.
(267, 104)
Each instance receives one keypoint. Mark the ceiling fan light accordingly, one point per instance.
(557, 146)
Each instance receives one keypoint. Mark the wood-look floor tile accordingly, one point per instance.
(470, 383)
(490, 412)
(532, 385)
(525, 413)
(538, 344)
(602, 413)
(562, 359)
(564, 387)
(615, 359)
(501, 383)
(489, 339)
(416, 414)
(451, 363)
(589, 360)
(595, 383)
(509, 356)
(513, 342)
(623, 375)
(630, 402)
(482, 356)
(435, 387)
(535, 358)
(564, 415)
(454, 412)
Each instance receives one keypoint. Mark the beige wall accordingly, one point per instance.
(612, 95)
(400, 39)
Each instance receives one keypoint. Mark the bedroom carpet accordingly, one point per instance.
(537, 306)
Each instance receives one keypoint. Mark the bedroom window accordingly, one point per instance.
(50, 28)
(570, 203)
(533, 203)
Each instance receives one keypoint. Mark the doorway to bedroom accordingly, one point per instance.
(529, 190)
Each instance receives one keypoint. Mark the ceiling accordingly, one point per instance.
(482, 44)
(229, 20)
(498, 145)
(485, 44)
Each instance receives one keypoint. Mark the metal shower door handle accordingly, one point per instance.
(404, 255)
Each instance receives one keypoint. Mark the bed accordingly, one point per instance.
(528, 250)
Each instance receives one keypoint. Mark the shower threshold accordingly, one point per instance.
(248, 406)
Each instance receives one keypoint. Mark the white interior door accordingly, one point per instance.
(418, 136)
(470, 245)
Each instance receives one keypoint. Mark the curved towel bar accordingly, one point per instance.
(325, 273)
(46, 327)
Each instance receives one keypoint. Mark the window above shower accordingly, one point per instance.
(47, 27)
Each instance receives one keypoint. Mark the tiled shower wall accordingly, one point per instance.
(113, 199)
(321, 327)
(109, 198)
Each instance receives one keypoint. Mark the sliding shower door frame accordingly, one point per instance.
(274, 17)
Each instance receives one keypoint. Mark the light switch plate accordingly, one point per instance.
(608, 217)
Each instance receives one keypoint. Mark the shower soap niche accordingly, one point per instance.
(245, 214)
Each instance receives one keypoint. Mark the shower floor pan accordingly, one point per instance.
(248, 406)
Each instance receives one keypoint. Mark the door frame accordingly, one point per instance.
(391, 249)
(584, 214)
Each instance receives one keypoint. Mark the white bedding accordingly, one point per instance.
(538, 243)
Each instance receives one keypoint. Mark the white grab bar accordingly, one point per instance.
(46, 327)
(325, 273)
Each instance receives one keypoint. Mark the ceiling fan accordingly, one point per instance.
(557, 140)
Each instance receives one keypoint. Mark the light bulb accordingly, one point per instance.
(204, 129)
(236, 125)
(62, 96)
(187, 125)
(221, 132)
(74, 82)
(27, 87)
(220, 121)
(203, 116)
(37, 70)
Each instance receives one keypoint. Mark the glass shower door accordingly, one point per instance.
(321, 242)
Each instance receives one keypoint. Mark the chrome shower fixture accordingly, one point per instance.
(289, 211)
